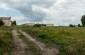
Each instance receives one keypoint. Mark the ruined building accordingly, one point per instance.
(6, 20)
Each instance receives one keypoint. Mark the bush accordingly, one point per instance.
(71, 25)
(39, 25)
(79, 25)
(13, 22)
(1, 23)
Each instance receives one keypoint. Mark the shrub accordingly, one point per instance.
(71, 25)
(1, 23)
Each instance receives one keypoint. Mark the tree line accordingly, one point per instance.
(71, 25)
(82, 22)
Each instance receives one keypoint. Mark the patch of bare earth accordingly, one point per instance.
(43, 48)
(21, 48)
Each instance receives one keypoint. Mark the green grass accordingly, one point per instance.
(71, 40)
(6, 40)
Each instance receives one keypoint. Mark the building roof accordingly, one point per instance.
(30, 23)
(49, 24)
(5, 18)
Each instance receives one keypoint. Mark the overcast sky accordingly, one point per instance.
(58, 12)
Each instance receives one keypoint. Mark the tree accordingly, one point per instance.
(83, 20)
(13, 22)
(71, 25)
(79, 25)
(39, 25)
(1, 23)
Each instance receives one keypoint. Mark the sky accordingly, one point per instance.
(58, 12)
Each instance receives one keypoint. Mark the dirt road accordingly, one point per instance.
(21, 48)
(43, 48)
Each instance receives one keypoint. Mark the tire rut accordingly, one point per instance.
(21, 48)
(43, 48)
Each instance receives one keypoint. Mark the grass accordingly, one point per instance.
(6, 44)
(71, 40)
(31, 46)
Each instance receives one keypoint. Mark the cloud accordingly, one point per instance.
(34, 10)
(69, 10)
(20, 19)
(60, 12)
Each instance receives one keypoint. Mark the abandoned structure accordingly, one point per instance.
(30, 24)
(6, 20)
(49, 24)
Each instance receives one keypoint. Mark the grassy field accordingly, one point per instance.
(71, 40)
(6, 40)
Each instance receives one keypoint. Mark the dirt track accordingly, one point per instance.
(43, 48)
(21, 48)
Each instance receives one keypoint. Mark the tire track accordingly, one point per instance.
(43, 48)
(21, 48)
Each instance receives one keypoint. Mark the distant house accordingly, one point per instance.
(6, 20)
(49, 24)
(30, 24)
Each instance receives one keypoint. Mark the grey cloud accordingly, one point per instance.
(26, 9)
(71, 11)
